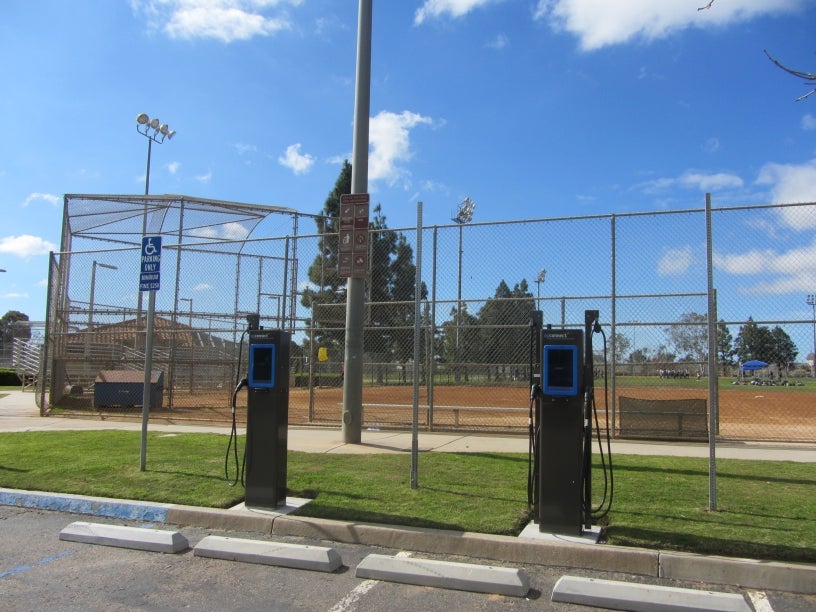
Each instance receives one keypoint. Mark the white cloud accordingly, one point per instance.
(599, 23)
(26, 246)
(808, 122)
(791, 270)
(499, 42)
(675, 262)
(710, 182)
(243, 148)
(298, 162)
(431, 9)
(226, 231)
(204, 178)
(48, 197)
(224, 20)
(233, 231)
(390, 140)
(202, 287)
(173, 167)
(790, 183)
(693, 179)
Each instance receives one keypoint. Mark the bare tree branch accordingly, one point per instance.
(808, 76)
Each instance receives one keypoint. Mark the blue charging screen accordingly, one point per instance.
(262, 365)
(560, 370)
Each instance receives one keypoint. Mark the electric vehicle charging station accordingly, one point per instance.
(267, 418)
(561, 482)
(561, 431)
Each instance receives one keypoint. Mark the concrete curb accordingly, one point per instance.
(771, 575)
(790, 577)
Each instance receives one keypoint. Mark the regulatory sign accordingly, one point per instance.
(150, 277)
(354, 214)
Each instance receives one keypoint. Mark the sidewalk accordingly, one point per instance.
(19, 413)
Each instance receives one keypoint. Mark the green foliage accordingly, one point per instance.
(390, 287)
(769, 345)
(8, 378)
(9, 330)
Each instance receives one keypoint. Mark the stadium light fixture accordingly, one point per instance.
(540, 279)
(464, 214)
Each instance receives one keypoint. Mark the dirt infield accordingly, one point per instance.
(746, 412)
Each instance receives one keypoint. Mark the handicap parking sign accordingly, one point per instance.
(150, 277)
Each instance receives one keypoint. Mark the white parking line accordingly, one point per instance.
(760, 601)
(356, 594)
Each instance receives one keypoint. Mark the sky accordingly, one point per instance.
(532, 108)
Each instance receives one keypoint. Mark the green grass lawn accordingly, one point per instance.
(766, 510)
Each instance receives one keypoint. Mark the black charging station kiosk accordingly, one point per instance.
(561, 432)
(267, 418)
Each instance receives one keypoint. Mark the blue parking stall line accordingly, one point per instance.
(22, 568)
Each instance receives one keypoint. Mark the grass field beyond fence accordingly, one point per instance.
(767, 509)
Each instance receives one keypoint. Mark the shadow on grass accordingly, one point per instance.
(635, 536)
(727, 514)
(721, 473)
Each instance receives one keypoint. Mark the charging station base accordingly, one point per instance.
(290, 505)
(588, 536)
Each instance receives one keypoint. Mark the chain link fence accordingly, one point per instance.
(646, 273)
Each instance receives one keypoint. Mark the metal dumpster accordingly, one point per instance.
(124, 389)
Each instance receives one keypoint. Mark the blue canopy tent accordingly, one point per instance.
(752, 366)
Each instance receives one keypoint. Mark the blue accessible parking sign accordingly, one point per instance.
(150, 277)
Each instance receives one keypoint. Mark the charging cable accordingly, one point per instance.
(232, 444)
(605, 504)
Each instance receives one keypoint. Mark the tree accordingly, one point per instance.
(783, 349)
(504, 334)
(8, 329)
(391, 291)
(327, 302)
(663, 355)
(459, 339)
(622, 344)
(725, 345)
(391, 279)
(754, 342)
(690, 337)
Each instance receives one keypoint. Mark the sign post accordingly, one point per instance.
(149, 280)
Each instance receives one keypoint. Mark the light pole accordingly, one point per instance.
(154, 131)
(811, 301)
(540, 279)
(91, 301)
(464, 215)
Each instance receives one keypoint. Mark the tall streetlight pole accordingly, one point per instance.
(811, 301)
(91, 301)
(464, 215)
(352, 420)
(540, 279)
(155, 131)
